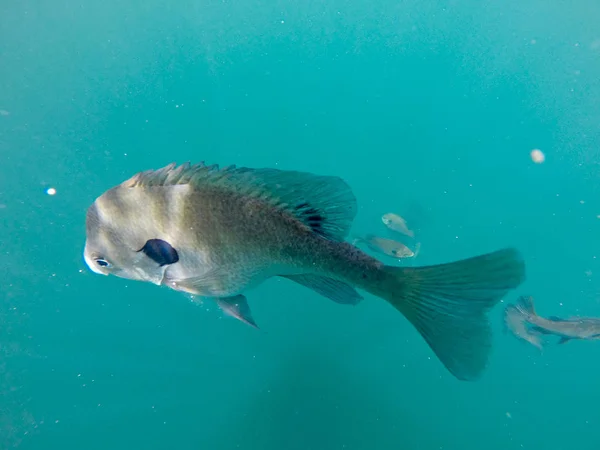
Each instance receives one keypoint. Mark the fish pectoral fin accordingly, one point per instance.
(215, 282)
(237, 307)
(334, 290)
(564, 340)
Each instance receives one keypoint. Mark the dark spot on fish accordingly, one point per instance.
(311, 217)
(160, 252)
(364, 276)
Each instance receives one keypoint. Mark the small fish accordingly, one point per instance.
(217, 233)
(396, 223)
(385, 246)
(516, 322)
(584, 328)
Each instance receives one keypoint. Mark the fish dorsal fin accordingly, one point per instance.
(325, 204)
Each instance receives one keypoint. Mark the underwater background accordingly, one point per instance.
(429, 103)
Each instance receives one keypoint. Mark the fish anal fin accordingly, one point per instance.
(563, 340)
(237, 307)
(325, 204)
(334, 290)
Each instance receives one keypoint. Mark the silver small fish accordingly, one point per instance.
(584, 328)
(385, 246)
(218, 233)
(396, 223)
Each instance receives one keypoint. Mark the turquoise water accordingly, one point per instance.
(430, 103)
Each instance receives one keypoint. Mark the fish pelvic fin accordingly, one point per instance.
(448, 304)
(238, 308)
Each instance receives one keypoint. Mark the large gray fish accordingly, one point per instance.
(219, 232)
(585, 328)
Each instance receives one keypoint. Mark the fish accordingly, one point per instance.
(583, 328)
(220, 232)
(516, 322)
(397, 224)
(385, 246)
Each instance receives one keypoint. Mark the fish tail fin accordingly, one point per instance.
(526, 306)
(535, 338)
(447, 304)
(514, 318)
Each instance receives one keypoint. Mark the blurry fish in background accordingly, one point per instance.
(414, 219)
(385, 246)
(399, 229)
(523, 315)
(396, 223)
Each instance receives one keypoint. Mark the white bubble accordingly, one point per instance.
(537, 156)
(50, 191)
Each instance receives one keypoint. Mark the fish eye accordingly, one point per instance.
(102, 262)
